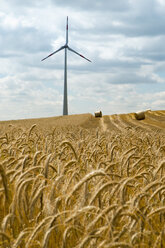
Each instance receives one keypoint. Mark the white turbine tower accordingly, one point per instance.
(65, 100)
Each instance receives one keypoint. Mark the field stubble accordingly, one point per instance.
(82, 187)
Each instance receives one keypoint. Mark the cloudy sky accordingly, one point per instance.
(125, 39)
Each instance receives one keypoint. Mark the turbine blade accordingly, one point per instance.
(67, 30)
(78, 54)
(53, 53)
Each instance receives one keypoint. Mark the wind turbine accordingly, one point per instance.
(65, 100)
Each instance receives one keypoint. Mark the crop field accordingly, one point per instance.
(83, 182)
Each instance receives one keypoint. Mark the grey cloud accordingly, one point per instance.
(152, 49)
(28, 3)
(138, 18)
(130, 78)
(86, 5)
(111, 66)
(23, 40)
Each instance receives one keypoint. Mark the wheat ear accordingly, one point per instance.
(159, 167)
(105, 211)
(69, 164)
(102, 244)
(119, 244)
(85, 179)
(24, 162)
(15, 175)
(46, 237)
(47, 165)
(69, 144)
(44, 222)
(86, 240)
(140, 234)
(67, 230)
(5, 236)
(156, 192)
(35, 158)
(5, 221)
(131, 149)
(54, 185)
(122, 190)
(29, 170)
(86, 209)
(34, 200)
(158, 210)
(4, 181)
(18, 197)
(101, 189)
(31, 129)
(21, 237)
(153, 184)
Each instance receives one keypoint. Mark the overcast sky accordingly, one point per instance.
(125, 39)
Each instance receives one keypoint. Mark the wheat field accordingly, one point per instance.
(79, 181)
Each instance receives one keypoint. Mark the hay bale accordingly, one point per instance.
(98, 114)
(140, 115)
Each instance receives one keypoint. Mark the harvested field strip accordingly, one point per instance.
(123, 123)
(159, 120)
(155, 123)
(104, 126)
(126, 119)
(109, 125)
(115, 121)
(160, 112)
(149, 124)
(132, 121)
(156, 117)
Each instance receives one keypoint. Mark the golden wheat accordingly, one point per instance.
(70, 187)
